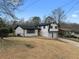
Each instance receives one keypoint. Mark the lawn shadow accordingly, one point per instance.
(29, 45)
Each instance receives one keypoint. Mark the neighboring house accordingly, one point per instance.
(47, 30)
(64, 32)
(69, 32)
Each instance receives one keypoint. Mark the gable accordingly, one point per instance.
(18, 28)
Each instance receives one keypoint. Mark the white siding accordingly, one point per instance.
(44, 32)
(53, 27)
(50, 35)
(19, 30)
(53, 34)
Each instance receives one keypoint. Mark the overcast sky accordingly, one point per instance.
(43, 8)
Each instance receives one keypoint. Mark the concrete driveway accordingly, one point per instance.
(70, 42)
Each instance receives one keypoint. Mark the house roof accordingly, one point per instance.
(67, 29)
(33, 26)
(27, 27)
(45, 24)
(70, 26)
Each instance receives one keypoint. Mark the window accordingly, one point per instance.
(44, 27)
(51, 26)
(31, 31)
(56, 27)
(53, 22)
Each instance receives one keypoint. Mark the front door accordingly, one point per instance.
(52, 34)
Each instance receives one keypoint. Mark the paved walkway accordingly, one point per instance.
(70, 42)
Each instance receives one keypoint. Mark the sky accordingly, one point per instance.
(44, 8)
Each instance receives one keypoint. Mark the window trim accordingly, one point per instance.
(29, 31)
(56, 27)
(44, 27)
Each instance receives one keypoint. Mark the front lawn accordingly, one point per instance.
(37, 48)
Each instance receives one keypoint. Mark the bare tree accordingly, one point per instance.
(59, 16)
(36, 20)
(2, 23)
(7, 7)
(49, 19)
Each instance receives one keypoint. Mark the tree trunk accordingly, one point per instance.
(1, 37)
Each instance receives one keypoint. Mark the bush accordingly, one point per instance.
(72, 36)
(4, 32)
(10, 30)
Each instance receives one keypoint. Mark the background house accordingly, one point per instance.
(69, 30)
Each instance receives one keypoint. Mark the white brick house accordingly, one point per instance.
(47, 30)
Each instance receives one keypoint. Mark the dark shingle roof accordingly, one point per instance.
(27, 27)
(33, 26)
(45, 24)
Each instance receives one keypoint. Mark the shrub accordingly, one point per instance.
(4, 32)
